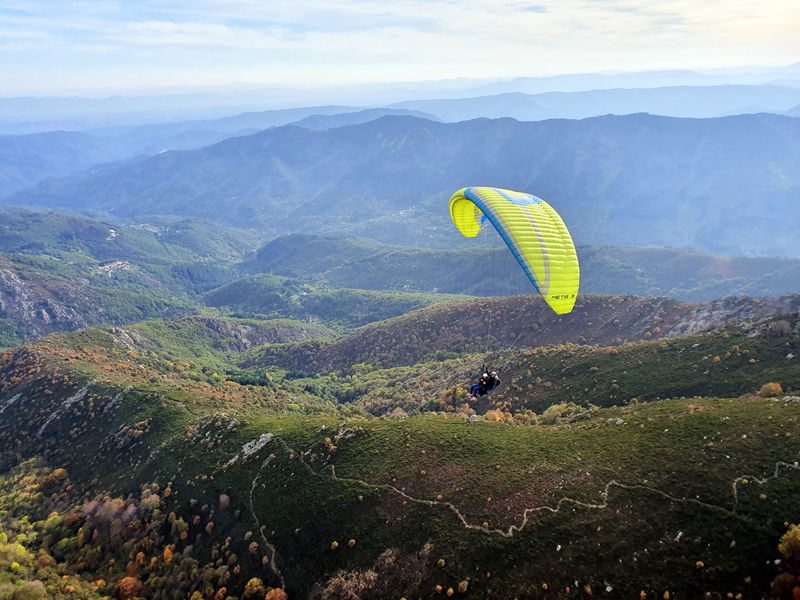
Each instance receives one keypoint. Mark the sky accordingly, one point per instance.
(69, 47)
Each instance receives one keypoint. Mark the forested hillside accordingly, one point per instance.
(190, 470)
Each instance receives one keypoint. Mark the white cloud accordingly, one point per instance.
(7, 34)
(375, 40)
(201, 35)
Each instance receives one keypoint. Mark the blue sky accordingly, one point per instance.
(63, 47)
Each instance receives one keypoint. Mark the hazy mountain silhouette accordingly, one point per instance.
(728, 185)
(323, 121)
(677, 101)
(27, 159)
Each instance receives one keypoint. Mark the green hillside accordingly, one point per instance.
(293, 482)
(43, 294)
(211, 340)
(272, 295)
(60, 272)
(723, 363)
(239, 435)
(163, 241)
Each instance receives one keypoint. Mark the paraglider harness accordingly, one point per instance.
(488, 382)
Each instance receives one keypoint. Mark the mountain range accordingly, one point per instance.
(27, 159)
(676, 101)
(710, 184)
(35, 114)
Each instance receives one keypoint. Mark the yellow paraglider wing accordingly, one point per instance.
(533, 231)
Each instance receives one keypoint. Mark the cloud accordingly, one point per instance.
(274, 42)
(22, 34)
(527, 7)
(205, 35)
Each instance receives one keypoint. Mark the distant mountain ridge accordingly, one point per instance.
(322, 121)
(27, 159)
(727, 185)
(580, 82)
(32, 114)
(675, 101)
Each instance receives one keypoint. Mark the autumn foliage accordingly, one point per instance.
(770, 390)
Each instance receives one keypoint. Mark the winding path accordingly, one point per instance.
(528, 512)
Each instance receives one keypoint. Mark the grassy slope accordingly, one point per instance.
(52, 233)
(61, 272)
(678, 459)
(77, 272)
(43, 295)
(9, 335)
(449, 330)
(213, 341)
(492, 473)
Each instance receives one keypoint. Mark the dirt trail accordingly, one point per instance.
(529, 512)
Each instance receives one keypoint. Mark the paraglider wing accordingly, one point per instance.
(533, 231)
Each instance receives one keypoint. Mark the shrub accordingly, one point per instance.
(783, 585)
(254, 588)
(770, 390)
(495, 416)
(568, 412)
(129, 587)
(55, 479)
(31, 590)
(789, 545)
